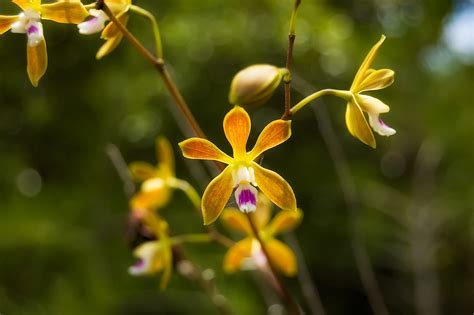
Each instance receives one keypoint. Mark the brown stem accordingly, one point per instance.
(159, 64)
(289, 60)
(287, 80)
(283, 293)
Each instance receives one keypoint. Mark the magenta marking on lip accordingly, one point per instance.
(139, 263)
(246, 196)
(32, 29)
(381, 122)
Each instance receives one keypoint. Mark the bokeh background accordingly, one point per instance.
(409, 203)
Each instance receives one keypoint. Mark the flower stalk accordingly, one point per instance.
(183, 107)
(289, 60)
(156, 29)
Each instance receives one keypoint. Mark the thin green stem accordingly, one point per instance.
(312, 97)
(192, 238)
(154, 24)
(188, 189)
(195, 199)
(294, 14)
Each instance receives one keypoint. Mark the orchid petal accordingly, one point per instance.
(150, 258)
(275, 188)
(282, 257)
(366, 63)
(202, 149)
(119, 6)
(236, 220)
(284, 221)
(165, 156)
(217, 195)
(371, 104)
(263, 213)
(167, 257)
(150, 197)
(357, 124)
(66, 11)
(6, 22)
(109, 46)
(379, 126)
(276, 132)
(236, 255)
(237, 129)
(113, 35)
(28, 4)
(37, 58)
(376, 80)
(141, 171)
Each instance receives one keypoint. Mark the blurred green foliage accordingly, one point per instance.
(63, 210)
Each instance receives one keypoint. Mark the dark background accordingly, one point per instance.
(63, 210)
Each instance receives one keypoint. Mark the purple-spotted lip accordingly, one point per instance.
(139, 263)
(381, 122)
(32, 29)
(246, 197)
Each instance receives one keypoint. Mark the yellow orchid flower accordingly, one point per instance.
(111, 34)
(29, 22)
(247, 253)
(156, 189)
(368, 79)
(155, 256)
(242, 170)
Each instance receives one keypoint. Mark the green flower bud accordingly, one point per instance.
(255, 84)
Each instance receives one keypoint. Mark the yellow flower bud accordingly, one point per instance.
(255, 84)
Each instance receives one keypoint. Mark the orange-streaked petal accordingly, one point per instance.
(236, 220)
(284, 221)
(366, 63)
(376, 80)
(236, 255)
(282, 257)
(37, 59)
(6, 22)
(165, 156)
(141, 171)
(276, 132)
(27, 4)
(237, 129)
(202, 149)
(357, 124)
(217, 195)
(109, 46)
(66, 11)
(275, 188)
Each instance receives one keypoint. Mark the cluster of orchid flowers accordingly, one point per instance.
(255, 187)
(33, 12)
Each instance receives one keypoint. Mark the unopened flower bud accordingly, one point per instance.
(255, 84)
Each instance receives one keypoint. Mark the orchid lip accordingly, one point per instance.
(246, 198)
(32, 30)
(139, 263)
